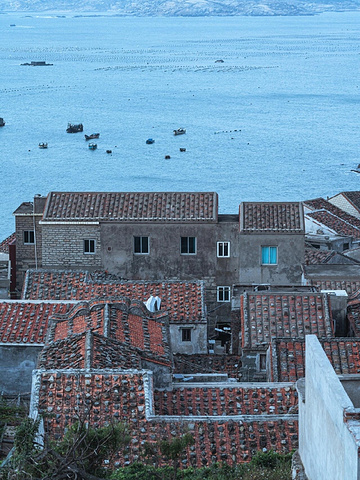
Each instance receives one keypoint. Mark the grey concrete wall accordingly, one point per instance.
(63, 246)
(291, 253)
(164, 260)
(198, 342)
(327, 448)
(16, 366)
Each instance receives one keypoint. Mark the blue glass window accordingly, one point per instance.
(269, 255)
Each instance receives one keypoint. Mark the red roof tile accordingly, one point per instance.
(350, 286)
(314, 256)
(285, 217)
(128, 322)
(26, 322)
(4, 245)
(131, 206)
(269, 315)
(127, 396)
(207, 363)
(338, 225)
(321, 204)
(288, 357)
(184, 301)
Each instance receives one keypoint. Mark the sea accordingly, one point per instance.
(271, 106)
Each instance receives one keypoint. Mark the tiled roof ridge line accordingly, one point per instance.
(339, 218)
(245, 319)
(26, 283)
(328, 316)
(89, 343)
(274, 371)
(227, 418)
(106, 321)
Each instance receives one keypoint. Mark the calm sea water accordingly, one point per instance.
(278, 119)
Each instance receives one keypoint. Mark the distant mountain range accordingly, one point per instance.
(188, 8)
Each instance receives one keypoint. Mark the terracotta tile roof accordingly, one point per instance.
(131, 206)
(350, 286)
(284, 217)
(26, 322)
(127, 396)
(4, 245)
(237, 400)
(269, 315)
(126, 321)
(184, 301)
(339, 226)
(88, 350)
(314, 256)
(288, 357)
(321, 204)
(207, 363)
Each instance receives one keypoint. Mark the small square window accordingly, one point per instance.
(89, 246)
(29, 237)
(269, 255)
(186, 334)
(223, 249)
(223, 294)
(188, 246)
(141, 245)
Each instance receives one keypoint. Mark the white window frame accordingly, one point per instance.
(27, 233)
(269, 262)
(90, 247)
(141, 252)
(223, 294)
(221, 248)
(188, 246)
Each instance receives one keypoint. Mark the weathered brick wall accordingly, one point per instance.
(63, 246)
(188, 364)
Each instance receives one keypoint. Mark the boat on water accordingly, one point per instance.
(92, 136)
(92, 146)
(2, 123)
(37, 64)
(182, 149)
(43, 145)
(74, 127)
(149, 141)
(179, 131)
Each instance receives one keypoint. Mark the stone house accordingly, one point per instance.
(163, 236)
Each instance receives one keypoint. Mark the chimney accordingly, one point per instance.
(39, 203)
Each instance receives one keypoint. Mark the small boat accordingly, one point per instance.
(108, 151)
(182, 149)
(43, 145)
(74, 127)
(93, 135)
(167, 157)
(92, 146)
(149, 141)
(179, 131)
(2, 123)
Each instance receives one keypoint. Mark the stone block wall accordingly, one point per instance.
(63, 246)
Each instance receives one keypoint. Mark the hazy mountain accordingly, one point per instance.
(182, 7)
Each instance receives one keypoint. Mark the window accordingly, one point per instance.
(269, 255)
(188, 245)
(223, 294)
(141, 245)
(186, 334)
(223, 249)
(29, 236)
(89, 246)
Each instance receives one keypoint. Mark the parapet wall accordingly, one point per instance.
(328, 449)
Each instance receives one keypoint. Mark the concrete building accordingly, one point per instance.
(329, 419)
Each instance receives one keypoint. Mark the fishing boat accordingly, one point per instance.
(2, 123)
(43, 145)
(179, 131)
(149, 141)
(92, 136)
(74, 127)
(92, 146)
(182, 149)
